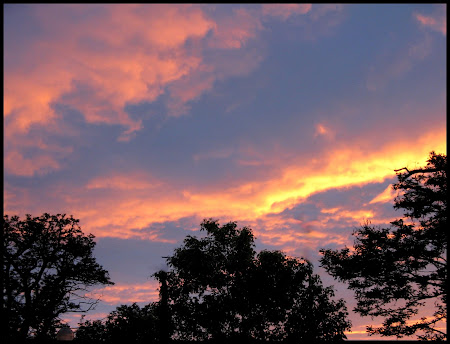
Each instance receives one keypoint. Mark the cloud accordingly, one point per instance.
(323, 130)
(125, 204)
(123, 182)
(19, 165)
(96, 59)
(235, 30)
(296, 236)
(437, 21)
(387, 195)
(358, 215)
(284, 11)
(127, 293)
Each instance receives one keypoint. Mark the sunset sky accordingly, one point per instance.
(142, 120)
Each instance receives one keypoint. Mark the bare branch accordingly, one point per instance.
(419, 170)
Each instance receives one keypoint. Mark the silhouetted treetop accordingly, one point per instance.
(126, 324)
(396, 270)
(48, 264)
(219, 288)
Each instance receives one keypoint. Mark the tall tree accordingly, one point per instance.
(396, 270)
(48, 264)
(218, 288)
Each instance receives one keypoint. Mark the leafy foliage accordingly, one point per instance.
(396, 270)
(127, 324)
(47, 265)
(220, 289)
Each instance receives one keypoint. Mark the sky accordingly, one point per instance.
(142, 120)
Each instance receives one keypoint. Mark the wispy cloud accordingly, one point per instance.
(436, 21)
(123, 205)
(127, 293)
(284, 11)
(387, 195)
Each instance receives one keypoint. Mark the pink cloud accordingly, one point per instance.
(119, 54)
(123, 182)
(294, 238)
(19, 165)
(233, 32)
(437, 21)
(359, 332)
(98, 58)
(121, 205)
(284, 11)
(127, 293)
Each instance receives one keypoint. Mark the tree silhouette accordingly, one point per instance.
(126, 324)
(218, 288)
(396, 270)
(47, 265)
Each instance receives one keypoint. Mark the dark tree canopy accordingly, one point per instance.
(48, 264)
(127, 324)
(218, 288)
(396, 270)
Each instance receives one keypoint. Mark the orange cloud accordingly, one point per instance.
(294, 242)
(320, 129)
(359, 332)
(140, 54)
(387, 195)
(324, 130)
(98, 58)
(112, 55)
(19, 165)
(100, 82)
(358, 215)
(348, 166)
(127, 204)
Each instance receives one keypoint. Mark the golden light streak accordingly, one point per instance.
(387, 195)
(107, 211)
(126, 205)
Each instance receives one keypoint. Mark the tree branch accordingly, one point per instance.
(419, 170)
